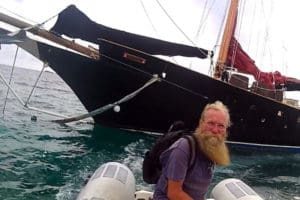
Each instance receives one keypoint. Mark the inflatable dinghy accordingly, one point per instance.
(233, 189)
(115, 181)
(111, 181)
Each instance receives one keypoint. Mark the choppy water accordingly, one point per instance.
(44, 160)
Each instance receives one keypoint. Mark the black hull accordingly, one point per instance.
(181, 95)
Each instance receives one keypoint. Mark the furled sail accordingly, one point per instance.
(233, 55)
(73, 23)
(240, 60)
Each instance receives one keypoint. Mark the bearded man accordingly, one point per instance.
(178, 180)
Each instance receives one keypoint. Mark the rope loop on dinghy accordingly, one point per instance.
(108, 106)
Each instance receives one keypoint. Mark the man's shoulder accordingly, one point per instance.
(181, 143)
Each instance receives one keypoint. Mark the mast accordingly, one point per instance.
(92, 53)
(227, 35)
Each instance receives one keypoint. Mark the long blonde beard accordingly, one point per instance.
(213, 146)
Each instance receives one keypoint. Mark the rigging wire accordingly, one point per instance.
(155, 78)
(35, 24)
(148, 17)
(29, 20)
(111, 105)
(251, 28)
(10, 79)
(152, 25)
(16, 14)
(218, 38)
(162, 79)
(35, 84)
(201, 21)
(238, 33)
(177, 26)
(23, 104)
(266, 48)
(204, 17)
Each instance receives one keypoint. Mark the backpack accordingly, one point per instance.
(151, 164)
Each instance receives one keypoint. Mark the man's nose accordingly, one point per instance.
(215, 130)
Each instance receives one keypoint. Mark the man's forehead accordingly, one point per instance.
(214, 112)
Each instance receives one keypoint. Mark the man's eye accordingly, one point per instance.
(221, 126)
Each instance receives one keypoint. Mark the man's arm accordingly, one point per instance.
(175, 191)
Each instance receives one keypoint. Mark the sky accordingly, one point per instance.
(281, 40)
(112, 13)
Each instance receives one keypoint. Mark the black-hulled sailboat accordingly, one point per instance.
(123, 84)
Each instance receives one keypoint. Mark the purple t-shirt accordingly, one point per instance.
(175, 162)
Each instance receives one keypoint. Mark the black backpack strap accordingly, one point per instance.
(193, 145)
(177, 125)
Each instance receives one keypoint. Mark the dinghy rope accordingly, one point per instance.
(109, 106)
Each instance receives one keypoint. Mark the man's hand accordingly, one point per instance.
(175, 191)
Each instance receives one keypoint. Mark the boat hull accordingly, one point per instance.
(181, 94)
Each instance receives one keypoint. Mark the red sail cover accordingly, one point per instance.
(239, 59)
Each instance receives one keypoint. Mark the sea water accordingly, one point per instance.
(40, 159)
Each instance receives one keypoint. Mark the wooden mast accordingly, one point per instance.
(228, 33)
(92, 53)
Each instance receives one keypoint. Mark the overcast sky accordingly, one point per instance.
(132, 19)
(281, 40)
